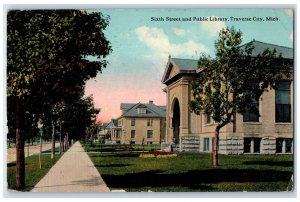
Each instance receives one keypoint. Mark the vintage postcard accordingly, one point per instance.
(150, 100)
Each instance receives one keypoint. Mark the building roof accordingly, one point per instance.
(152, 110)
(189, 66)
(163, 107)
(185, 64)
(259, 47)
(104, 125)
(126, 106)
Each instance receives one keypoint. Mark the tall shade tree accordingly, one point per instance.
(79, 115)
(47, 62)
(230, 82)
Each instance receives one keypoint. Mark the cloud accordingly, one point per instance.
(291, 36)
(157, 40)
(154, 38)
(212, 27)
(179, 32)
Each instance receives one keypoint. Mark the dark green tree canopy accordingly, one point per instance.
(47, 59)
(47, 64)
(231, 81)
(47, 50)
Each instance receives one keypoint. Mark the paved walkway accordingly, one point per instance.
(74, 172)
(35, 149)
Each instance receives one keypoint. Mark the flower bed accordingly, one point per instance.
(124, 148)
(157, 154)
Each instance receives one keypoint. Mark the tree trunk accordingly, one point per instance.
(28, 143)
(64, 143)
(20, 154)
(53, 142)
(41, 149)
(215, 147)
(60, 143)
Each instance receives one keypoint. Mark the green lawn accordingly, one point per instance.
(193, 172)
(33, 173)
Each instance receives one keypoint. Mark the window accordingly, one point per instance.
(252, 145)
(288, 145)
(149, 133)
(251, 113)
(206, 144)
(141, 110)
(247, 145)
(132, 142)
(208, 118)
(149, 122)
(132, 122)
(256, 145)
(132, 134)
(279, 142)
(120, 123)
(283, 101)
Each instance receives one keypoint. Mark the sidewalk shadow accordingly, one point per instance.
(270, 163)
(195, 179)
(112, 165)
(88, 182)
(117, 154)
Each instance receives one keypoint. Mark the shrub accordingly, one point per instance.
(146, 155)
(157, 154)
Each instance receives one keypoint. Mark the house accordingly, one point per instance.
(270, 133)
(115, 132)
(102, 130)
(141, 123)
(105, 131)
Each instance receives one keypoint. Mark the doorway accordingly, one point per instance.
(176, 120)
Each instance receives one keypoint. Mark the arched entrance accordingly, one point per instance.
(176, 120)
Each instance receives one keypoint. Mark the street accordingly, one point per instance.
(35, 149)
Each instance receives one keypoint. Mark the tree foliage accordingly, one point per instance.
(47, 57)
(78, 116)
(47, 63)
(228, 83)
(47, 49)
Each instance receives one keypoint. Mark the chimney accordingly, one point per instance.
(151, 102)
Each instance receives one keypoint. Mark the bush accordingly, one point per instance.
(157, 154)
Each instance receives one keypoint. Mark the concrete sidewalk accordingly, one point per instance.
(74, 172)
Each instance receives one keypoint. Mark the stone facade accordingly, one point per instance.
(196, 132)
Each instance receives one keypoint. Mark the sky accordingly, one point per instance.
(142, 42)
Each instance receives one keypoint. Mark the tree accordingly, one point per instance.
(230, 82)
(46, 62)
(56, 116)
(79, 116)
